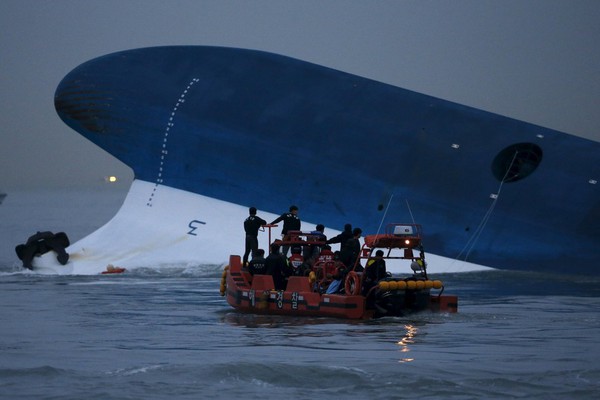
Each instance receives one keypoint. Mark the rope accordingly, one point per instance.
(473, 240)
(384, 214)
(386, 210)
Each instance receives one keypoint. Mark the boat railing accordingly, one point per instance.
(269, 227)
(396, 236)
(298, 238)
(324, 270)
(400, 241)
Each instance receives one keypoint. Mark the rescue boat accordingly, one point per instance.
(111, 269)
(306, 293)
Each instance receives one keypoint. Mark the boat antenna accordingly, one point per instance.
(385, 213)
(410, 212)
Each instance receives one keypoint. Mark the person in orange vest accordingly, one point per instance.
(296, 260)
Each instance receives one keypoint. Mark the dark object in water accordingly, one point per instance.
(41, 243)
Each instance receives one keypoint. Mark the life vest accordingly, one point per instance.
(296, 260)
(325, 256)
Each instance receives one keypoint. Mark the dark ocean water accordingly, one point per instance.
(167, 333)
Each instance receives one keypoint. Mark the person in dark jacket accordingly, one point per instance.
(342, 237)
(41, 243)
(316, 240)
(278, 267)
(258, 264)
(375, 271)
(351, 251)
(251, 225)
(291, 222)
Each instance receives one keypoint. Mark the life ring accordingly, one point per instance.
(224, 281)
(352, 284)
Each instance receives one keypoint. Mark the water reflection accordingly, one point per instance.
(280, 321)
(406, 341)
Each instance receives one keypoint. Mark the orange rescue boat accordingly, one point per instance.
(306, 295)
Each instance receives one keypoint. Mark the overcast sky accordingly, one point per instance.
(537, 61)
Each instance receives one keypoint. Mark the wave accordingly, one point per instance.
(35, 372)
(142, 271)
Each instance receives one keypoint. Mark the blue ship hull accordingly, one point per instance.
(254, 128)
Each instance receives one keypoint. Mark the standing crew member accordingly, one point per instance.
(291, 222)
(351, 251)
(251, 225)
(342, 237)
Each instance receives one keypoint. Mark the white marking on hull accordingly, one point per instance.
(141, 236)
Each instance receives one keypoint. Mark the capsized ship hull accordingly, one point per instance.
(252, 128)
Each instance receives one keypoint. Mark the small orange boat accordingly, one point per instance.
(307, 295)
(111, 269)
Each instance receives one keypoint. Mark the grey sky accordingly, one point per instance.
(538, 61)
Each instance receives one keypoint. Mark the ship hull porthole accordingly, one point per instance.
(516, 162)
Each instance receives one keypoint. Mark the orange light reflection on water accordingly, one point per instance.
(406, 341)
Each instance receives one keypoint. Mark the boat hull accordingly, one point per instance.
(255, 295)
(259, 129)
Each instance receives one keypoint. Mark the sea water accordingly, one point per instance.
(156, 333)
